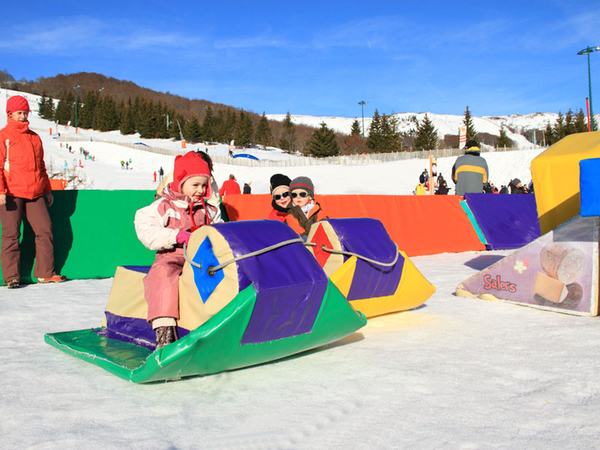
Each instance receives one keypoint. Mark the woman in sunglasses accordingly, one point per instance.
(305, 210)
(280, 192)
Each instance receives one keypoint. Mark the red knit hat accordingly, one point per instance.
(190, 165)
(17, 103)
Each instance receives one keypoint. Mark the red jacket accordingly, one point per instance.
(277, 215)
(230, 187)
(22, 169)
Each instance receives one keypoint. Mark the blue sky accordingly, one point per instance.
(321, 57)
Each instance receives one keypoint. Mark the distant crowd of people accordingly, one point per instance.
(470, 174)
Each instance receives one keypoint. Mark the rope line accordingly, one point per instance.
(213, 269)
(364, 258)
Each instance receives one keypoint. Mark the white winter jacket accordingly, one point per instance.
(157, 224)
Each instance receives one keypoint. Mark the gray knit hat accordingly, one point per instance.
(303, 183)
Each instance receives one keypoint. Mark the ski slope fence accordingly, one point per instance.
(294, 160)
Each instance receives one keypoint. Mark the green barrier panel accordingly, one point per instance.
(213, 347)
(93, 234)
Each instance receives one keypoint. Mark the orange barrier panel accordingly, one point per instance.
(420, 225)
(57, 184)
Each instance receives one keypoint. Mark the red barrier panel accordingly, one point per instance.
(420, 225)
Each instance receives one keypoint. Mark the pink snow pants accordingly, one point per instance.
(161, 285)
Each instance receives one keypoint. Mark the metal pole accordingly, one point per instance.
(76, 87)
(587, 51)
(590, 88)
(362, 104)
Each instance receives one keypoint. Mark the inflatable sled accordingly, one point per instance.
(366, 266)
(250, 293)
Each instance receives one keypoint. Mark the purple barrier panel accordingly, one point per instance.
(369, 238)
(506, 220)
(289, 283)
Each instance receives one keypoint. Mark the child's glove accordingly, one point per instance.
(183, 237)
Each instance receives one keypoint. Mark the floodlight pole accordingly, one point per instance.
(587, 51)
(362, 104)
(76, 87)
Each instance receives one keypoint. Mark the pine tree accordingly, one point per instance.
(392, 138)
(50, 109)
(106, 115)
(353, 144)
(264, 135)
(503, 140)
(244, 129)
(42, 105)
(64, 109)
(210, 126)
(580, 122)
(46, 107)
(549, 136)
(427, 136)
(287, 140)
(559, 129)
(471, 131)
(355, 129)
(128, 122)
(569, 123)
(160, 113)
(87, 115)
(375, 141)
(192, 131)
(323, 142)
(227, 122)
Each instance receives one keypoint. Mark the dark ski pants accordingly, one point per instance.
(11, 215)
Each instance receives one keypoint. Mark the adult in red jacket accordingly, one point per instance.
(230, 187)
(24, 189)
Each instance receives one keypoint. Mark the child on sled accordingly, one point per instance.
(305, 210)
(165, 226)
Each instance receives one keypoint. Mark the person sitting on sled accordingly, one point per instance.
(305, 210)
(165, 226)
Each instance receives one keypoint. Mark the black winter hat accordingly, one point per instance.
(470, 144)
(279, 179)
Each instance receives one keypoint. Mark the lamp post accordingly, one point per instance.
(587, 51)
(362, 104)
(76, 87)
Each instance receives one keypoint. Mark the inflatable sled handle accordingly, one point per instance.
(213, 269)
(364, 258)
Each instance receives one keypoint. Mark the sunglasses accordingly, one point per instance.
(299, 194)
(280, 196)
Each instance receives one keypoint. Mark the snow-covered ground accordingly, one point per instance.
(454, 373)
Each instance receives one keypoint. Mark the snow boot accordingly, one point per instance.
(165, 336)
(13, 284)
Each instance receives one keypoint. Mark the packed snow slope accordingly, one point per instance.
(393, 178)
